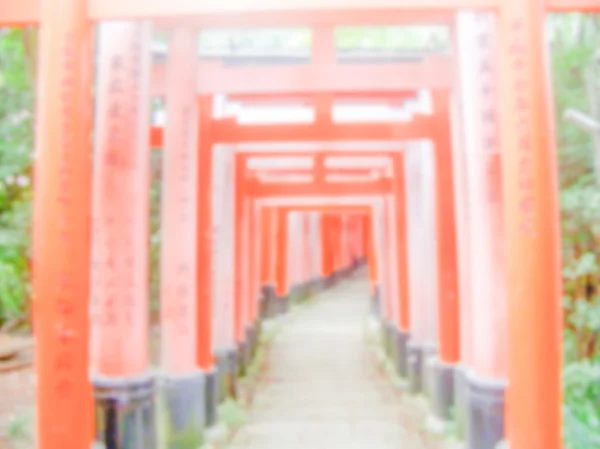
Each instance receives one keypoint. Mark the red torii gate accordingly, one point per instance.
(529, 189)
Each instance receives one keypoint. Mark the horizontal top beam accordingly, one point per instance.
(253, 13)
(321, 201)
(394, 96)
(329, 208)
(435, 72)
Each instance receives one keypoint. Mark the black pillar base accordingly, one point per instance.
(389, 332)
(485, 417)
(401, 360)
(443, 390)
(418, 354)
(212, 397)
(282, 305)
(185, 410)
(295, 295)
(460, 400)
(415, 367)
(257, 336)
(267, 302)
(375, 302)
(252, 333)
(125, 412)
(226, 362)
(242, 357)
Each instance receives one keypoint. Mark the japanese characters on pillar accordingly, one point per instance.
(530, 200)
(178, 257)
(119, 321)
(61, 245)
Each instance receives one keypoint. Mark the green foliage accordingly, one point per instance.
(581, 410)
(575, 41)
(16, 143)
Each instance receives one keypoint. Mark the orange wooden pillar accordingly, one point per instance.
(188, 408)
(481, 388)
(328, 249)
(447, 260)
(249, 293)
(402, 317)
(365, 237)
(222, 253)
(423, 279)
(124, 387)
(240, 262)
(204, 251)
(307, 278)
(530, 202)
(61, 245)
(281, 259)
(372, 261)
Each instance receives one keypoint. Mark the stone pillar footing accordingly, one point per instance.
(401, 360)
(212, 397)
(185, 410)
(125, 412)
(485, 416)
(443, 389)
(226, 361)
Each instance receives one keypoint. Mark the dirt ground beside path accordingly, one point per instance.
(17, 401)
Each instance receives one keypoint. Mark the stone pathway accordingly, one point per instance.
(322, 389)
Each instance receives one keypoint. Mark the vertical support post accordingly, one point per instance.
(486, 379)
(267, 215)
(239, 259)
(421, 199)
(403, 315)
(307, 281)
(253, 281)
(124, 388)
(327, 258)
(222, 253)
(372, 261)
(462, 128)
(61, 226)
(204, 253)
(387, 321)
(530, 192)
(245, 283)
(184, 385)
(449, 307)
(281, 280)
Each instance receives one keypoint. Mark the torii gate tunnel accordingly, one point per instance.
(459, 224)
